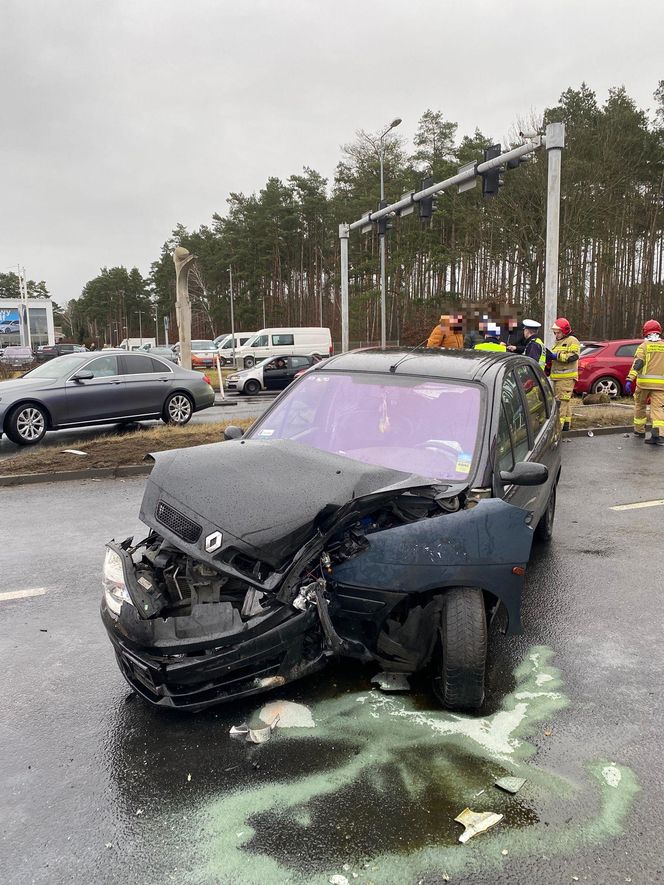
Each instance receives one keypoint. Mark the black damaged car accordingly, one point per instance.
(382, 509)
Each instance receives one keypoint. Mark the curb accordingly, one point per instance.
(25, 479)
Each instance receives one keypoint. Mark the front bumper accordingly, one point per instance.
(218, 670)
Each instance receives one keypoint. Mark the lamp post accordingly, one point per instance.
(382, 237)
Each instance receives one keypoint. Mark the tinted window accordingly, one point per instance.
(626, 350)
(534, 398)
(104, 367)
(138, 365)
(261, 341)
(504, 456)
(203, 345)
(300, 362)
(158, 366)
(244, 339)
(279, 340)
(590, 349)
(274, 365)
(516, 417)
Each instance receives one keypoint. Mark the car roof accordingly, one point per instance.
(458, 365)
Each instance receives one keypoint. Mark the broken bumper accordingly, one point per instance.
(222, 668)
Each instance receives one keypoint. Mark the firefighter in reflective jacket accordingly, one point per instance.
(647, 374)
(564, 368)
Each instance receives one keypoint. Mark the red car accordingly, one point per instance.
(603, 365)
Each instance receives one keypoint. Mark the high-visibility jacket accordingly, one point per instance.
(648, 365)
(491, 345)
(441, 337)
(565, 359)
(536, 350)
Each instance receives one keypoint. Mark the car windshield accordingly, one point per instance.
(203, 345)
(56, 368)
(590, 349)
(424, 426)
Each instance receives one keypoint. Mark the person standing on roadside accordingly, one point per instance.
(564, 368)
(516, 338)
(492, 340)
(646, 379)
(534, 348)
(443, 335)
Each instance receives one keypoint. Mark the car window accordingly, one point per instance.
(103, 367)
(626, 350)
(158, 366)
(534, 398)
(516, 417)
(279, 340)
(243, 340)
(591, 349)
(261, 341)
(299, 362)
(203, 345)
(504, 454)
(135, 364)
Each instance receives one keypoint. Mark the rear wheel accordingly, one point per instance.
(251, 387)
(607, 385)
(461, 663)
(249, 362)
(178, 409)
(544, 528)
(26, 425)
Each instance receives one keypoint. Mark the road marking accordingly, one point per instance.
(22, 594)
(639, 505)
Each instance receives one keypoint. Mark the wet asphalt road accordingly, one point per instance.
(96, 787)
(233, 408)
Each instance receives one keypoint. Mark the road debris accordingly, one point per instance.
(391, 681)
(548, 732)
(262, 732)
(73, 452)
(476, 822)
(338, 880)
(239, 730)
(288, 714)
(510, 784)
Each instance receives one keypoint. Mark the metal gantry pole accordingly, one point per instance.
(344, 234)
(555, 142)
(230, 290)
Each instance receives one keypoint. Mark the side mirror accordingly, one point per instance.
(233, 432)
(85, 375)
(525, 473)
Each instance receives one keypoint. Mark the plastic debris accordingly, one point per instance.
(510, 784)
(504, 852)
(476, 822)
(548, 732)
(239, 730)
(262, 733)
(108, 845)
(590, 433)
(338, 880)
(391, 681)
(73, 452)
(188, 777)
(288, 713)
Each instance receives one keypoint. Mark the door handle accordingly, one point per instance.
(116, 382)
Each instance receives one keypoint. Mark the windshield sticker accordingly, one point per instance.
(264, 434)
(464, 460)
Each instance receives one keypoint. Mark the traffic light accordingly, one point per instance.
(491, 180)
(427, 205)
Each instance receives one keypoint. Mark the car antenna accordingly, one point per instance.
(406, 355)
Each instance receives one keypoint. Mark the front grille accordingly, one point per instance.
(178, 523)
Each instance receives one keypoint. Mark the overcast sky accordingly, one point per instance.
(122, 118)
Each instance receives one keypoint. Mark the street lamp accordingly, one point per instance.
(382, 237)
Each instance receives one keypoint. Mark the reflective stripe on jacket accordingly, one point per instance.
(562, 367)
(491, 345)
(650, 374)
(536, 350)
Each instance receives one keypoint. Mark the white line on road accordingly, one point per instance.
(22, 594)
(639, 505)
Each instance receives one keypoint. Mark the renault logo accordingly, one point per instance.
(213, 542)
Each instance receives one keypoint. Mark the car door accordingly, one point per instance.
(147, 384)
(298, 364)
(276, 374)
(512, 444)
(99, 398)
(544, 426)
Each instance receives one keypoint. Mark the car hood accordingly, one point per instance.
(266, 498)
(20, 386)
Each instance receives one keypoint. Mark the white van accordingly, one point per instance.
(225, 346)
(305, 341)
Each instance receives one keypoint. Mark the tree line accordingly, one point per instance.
(282, 242)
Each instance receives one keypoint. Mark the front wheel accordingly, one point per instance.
(27, 425)
(544, 528)
(251, 387)
(461, 662)
(607, 385)
(178, 409)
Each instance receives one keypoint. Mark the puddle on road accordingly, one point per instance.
(373, 788)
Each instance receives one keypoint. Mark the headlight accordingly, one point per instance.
(113, 582)
(233, 378)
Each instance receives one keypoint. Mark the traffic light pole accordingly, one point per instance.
(554, 141)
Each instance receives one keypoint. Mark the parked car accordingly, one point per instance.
(203, 354)
(165, 352)
(603, 365)
(284, 342)
(383, 509)
(18, 357)
(225, 345)
(108, 387)
(50, 351)
(270, 374)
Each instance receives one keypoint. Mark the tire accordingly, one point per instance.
(249, 362)
(178, 409)
(609, 385)
(462, 656)
(27, 425)
(251, 387)
(544, 528)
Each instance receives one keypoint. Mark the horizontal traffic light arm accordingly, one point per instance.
(466, 175)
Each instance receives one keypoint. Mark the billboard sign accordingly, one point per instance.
(10, 326)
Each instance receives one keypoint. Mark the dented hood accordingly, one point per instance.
(265, 498)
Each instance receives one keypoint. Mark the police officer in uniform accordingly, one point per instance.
(534, 348)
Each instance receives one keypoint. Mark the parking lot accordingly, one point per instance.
(96, 787)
